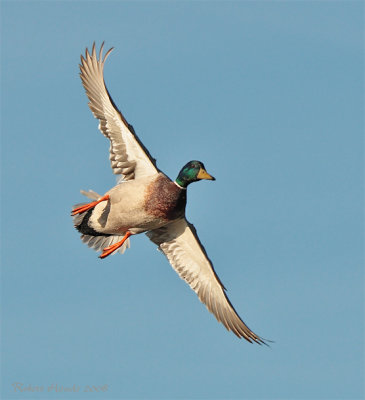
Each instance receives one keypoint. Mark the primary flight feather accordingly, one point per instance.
(146, 200)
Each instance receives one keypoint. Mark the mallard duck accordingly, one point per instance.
(146, 200)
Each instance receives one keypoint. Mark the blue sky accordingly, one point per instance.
(270, 96)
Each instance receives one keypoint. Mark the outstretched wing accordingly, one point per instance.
(128, 155)
(180, 243)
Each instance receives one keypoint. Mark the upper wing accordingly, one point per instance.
(128, 155)
(181, 245)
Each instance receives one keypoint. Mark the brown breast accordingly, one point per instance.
(164, 199)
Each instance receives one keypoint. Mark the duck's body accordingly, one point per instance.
(136, 206)
(148, 201)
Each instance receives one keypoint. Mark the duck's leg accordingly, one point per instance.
(110, 249)
(86, 207)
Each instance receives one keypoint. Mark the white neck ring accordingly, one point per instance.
(181, 187)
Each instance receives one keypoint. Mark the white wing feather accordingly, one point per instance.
(128, 155)
(181, 245)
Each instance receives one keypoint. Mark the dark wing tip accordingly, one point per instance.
(93, 55)
(93, 51)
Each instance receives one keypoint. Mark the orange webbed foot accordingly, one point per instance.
(110, 249)
(86, 207)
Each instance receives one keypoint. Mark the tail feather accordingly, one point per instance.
(90, 194)
(98, 243)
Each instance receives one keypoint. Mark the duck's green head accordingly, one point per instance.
(193, 171)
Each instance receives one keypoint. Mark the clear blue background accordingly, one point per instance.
(270, 96)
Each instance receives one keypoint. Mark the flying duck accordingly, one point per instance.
(146, 201)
